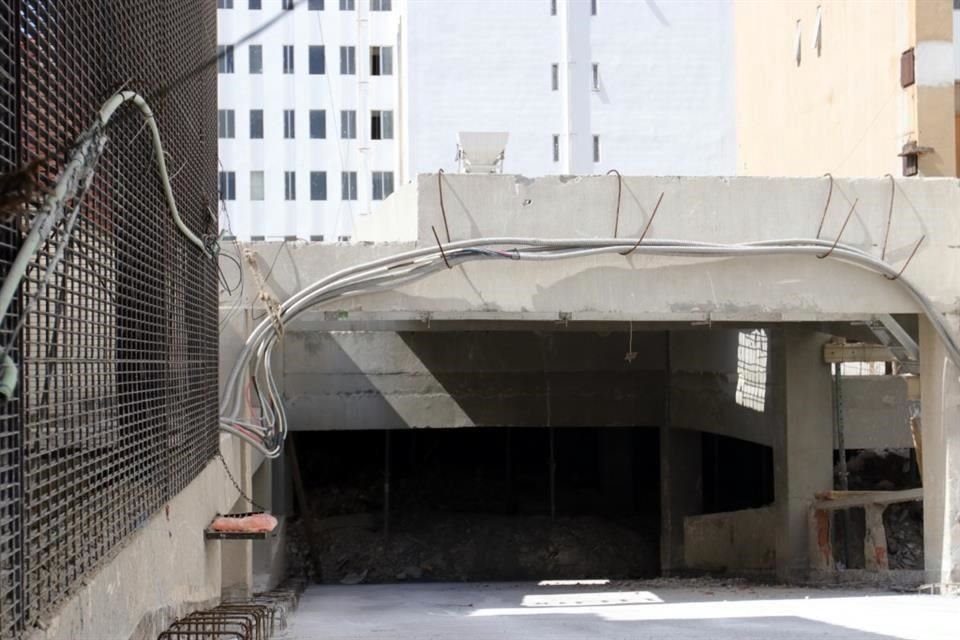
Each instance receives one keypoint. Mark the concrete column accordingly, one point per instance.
(799, 380)
(940, 431)
(681, 491)
(576, 83)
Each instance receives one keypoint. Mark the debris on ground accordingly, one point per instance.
(892, 470)
(482, 546)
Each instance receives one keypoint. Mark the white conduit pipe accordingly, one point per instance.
(419, 263)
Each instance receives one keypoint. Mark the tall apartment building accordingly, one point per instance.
(328, 110)
(306, 115)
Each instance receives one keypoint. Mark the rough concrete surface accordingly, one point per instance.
(636, 610)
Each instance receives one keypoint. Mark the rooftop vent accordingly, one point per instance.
(479, 152)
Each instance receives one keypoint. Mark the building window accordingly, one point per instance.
(228, 185)
(315, 5)
(224, 4)
(347, 5)
(226, 124)
(318, 123)
(556, 148)
(381, 125)
(348, 125)
(256, 124)
(752, 370)
(381, 61)
(555, 77)
(289, 185)
(256, 58)
(382, 184)
(318, 59)
(288, 58)
(596, 77)
(225, 58)
(593, 7)
(379, 5)
(596, 148)
(348, 185)
(256, 185)
(318, 185)
(287, 5)
(254, 5)
(289, 128)
(553, 7)
(348, 61)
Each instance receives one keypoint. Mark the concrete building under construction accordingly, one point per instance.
(566, 381)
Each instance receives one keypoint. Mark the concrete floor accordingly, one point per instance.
(635, 610)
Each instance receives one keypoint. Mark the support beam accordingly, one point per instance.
(803, 447)
(681, 491)
(940, 431)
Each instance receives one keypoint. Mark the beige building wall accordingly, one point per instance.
(835, 103)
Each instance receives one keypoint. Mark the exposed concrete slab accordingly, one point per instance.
(649, 288)
(660, 609)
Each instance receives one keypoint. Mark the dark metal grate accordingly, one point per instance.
(117, 407)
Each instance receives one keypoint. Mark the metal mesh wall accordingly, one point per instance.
(117, 406)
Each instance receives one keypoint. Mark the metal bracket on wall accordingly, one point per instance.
(893, 336)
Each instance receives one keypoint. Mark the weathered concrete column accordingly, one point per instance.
(681, 491)
(940, 430)
(803, 445)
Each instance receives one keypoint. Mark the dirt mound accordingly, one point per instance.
(480, 546)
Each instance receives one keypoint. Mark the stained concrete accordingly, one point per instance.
(740, 542)
(636, 610)
(163, 571)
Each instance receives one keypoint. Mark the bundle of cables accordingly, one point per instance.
(253, 374)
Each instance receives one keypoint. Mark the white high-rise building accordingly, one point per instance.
(329, 109)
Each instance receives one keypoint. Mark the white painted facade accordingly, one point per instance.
(665, 98)
(663, 103)
(273, 91)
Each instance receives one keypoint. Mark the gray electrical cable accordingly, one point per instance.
(75, 179)
(419, 263)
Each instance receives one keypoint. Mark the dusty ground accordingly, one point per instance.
(658, 609)
(432, 546)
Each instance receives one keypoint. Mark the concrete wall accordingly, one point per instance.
(704, 369)
(381, 380)
(735, 542)
(162, 572)
(876, 412)
(841, 108)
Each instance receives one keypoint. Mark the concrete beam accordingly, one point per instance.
(609, 288)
